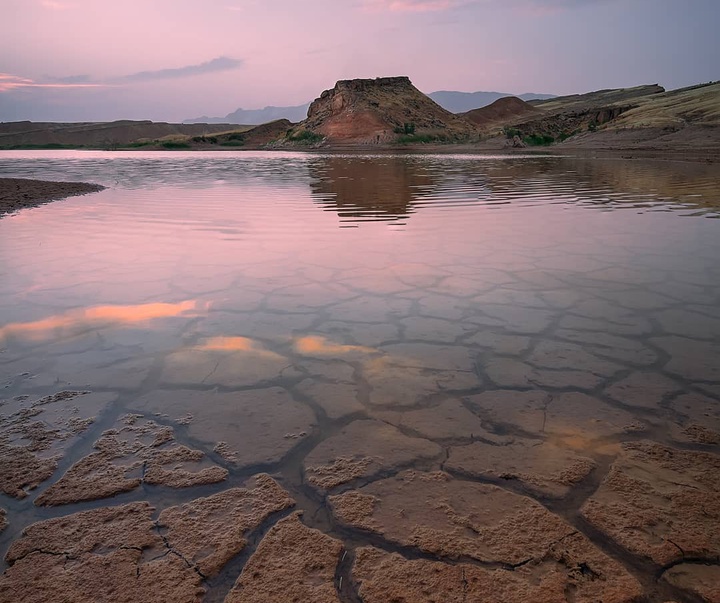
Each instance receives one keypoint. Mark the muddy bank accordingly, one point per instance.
(20, 193)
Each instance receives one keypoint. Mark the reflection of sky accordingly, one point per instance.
(252, 228)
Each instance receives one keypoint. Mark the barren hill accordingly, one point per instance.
(502, 110)
(381, 110)
(96, 134)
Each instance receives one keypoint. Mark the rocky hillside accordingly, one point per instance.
(598, 98)
(381, 110)
(563, 117)
(502, 110)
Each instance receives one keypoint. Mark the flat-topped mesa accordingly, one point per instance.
(380, 110)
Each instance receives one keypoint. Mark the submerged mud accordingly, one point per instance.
(509, 402)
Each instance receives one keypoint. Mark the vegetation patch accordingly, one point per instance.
(205, 139)
(305, 136)
(421, 138)
(232, 143)
(537, 140)
(172, 144)
(407, 129)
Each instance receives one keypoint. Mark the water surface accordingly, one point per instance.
(361, 287)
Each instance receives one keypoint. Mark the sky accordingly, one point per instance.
(169, 60)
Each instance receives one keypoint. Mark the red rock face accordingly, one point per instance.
(371, 110)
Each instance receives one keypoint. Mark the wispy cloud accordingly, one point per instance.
(55, 5)
(8, 82)
(411, 6)
(212, 66)
(421, 6)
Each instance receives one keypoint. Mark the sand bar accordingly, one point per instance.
(20, 193)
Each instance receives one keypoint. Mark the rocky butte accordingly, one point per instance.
(378, 111)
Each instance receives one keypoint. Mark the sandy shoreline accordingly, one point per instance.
(20, 193)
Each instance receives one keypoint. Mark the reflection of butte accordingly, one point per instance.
(369, 189)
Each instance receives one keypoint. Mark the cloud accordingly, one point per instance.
(412, 6)
(421, 6)
(55, 5)
(71, 79)
(212, 66)
(8, 82)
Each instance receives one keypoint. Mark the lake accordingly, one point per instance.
(421, 350)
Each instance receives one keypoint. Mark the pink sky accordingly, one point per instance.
(175, 59)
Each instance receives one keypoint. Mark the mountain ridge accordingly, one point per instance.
(451, 100)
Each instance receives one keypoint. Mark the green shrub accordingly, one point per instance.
(592, 127)
(305, 136)
(172, 144)
(408, 128)
(232, 143)
(535, 140)
(510, 133)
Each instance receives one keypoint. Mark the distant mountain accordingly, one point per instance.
(460, 102)
(256, 116)
(455, 102)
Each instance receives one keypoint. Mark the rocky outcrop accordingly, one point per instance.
(379, 110)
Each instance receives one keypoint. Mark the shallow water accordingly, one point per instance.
(318, 291)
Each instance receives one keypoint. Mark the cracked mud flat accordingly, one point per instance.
(661, 503)
(409, 410)
(122, 554)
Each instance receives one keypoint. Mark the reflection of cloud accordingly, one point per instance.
(212, 66)
(314, 345)
(76, 321)
(236, 344)
(8, 81)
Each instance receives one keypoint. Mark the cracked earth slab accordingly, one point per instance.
(449, 419)
(701, 580)
(120, 554)
(383, 577)
(573, 419)
(246, 428)
(660, 503)
(292, 563)
(363, 449)
(542, 467)
(34, 435)
(97, 557)
(208, 532)
(136, 450)
(700, 421)
(500, 535)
